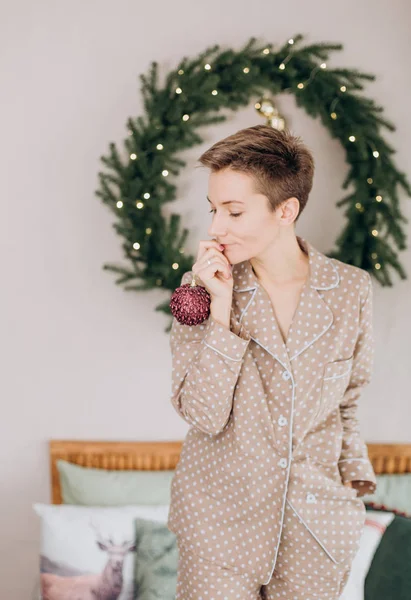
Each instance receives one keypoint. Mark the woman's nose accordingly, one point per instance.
(219, 234)
(216, 230)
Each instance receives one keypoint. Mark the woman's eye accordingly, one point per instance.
(231, 214)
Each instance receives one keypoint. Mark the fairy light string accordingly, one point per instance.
(139, 181)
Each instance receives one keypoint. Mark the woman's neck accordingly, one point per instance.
(282, 263)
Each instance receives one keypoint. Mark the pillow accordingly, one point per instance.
(382, 507)
(79, 544)
(374, 528)
(393, 491)
(101, 487)
(389, 575)
(156, 561)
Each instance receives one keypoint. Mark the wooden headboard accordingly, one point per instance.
(157, 456)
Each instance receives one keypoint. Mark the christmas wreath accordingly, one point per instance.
(137, 182)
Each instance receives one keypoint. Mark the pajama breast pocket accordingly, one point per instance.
(335, 380)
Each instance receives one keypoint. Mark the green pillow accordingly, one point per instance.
(155, 561)
(389, 575)
(101, 487)
(394, 491)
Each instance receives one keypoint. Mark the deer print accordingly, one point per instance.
(106, 585)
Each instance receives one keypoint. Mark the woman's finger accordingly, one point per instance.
(205, 245)
(215, 270)
(215, 257)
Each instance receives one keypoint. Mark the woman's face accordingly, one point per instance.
(246, 225)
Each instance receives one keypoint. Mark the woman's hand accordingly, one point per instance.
(216, 276)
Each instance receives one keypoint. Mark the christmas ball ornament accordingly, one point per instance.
(190, 303)
(266, 108)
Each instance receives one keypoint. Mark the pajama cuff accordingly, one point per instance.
(360, 472)
(227, 343)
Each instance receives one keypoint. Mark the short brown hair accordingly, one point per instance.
(280, 164)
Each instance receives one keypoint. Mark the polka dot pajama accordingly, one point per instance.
(302, 572)
(258, 501)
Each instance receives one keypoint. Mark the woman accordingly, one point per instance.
(265, 500)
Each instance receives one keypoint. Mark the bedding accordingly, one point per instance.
(155, 561)
(380, 569)
(389, 575)
(84, 549)
(375, 526)
(393, 491)
(101, 487)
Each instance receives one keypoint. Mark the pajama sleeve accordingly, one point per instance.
(354, 464)
(206, 363)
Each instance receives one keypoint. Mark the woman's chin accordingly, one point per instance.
(235, 254)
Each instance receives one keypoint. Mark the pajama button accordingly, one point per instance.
(286, 375)
(282, 463)
(311, 498)
(282, 421)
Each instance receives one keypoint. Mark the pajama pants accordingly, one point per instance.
(303, 571)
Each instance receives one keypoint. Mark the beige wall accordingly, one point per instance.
(81, 358)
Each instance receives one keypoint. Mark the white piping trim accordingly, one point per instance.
(329, 260)
(315, 287)
(315, 339)
(290, 448)
(249, 302)
(271, 354)
(244, 289)
(313, 534)
(319, 335)
(254, 288)
(338, 376)
(366, 460)
(222, 353)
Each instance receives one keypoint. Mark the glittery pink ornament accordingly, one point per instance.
(190, 303)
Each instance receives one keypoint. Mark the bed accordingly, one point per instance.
(387, 458)
(381, 565)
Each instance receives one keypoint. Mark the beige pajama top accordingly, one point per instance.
(274, 422)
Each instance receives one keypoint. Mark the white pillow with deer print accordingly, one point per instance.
(86, 551)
